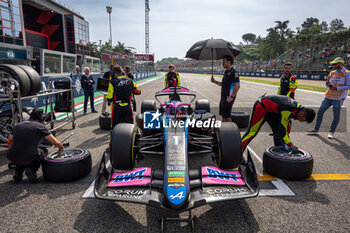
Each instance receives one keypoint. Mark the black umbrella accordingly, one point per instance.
(211, 49)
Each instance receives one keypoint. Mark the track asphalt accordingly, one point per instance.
(321, 204)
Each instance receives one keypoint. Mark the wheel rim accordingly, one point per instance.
(67, 154)
(4, 88)
(288, 154)
(5, 126)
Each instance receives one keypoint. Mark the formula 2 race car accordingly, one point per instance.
(179, 132)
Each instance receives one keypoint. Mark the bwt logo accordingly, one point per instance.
(151, 120)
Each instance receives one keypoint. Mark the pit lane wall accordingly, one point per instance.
(278, 75)
(307, 76)
(40, 102)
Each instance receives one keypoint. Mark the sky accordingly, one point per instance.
(175, 25)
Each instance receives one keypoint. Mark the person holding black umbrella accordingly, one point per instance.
(229, 88)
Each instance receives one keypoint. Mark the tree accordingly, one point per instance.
(336, 25)
(94, 50)
(309, 22)
(249, 37)
(324, 27)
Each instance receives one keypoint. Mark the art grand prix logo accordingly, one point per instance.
(151, 120)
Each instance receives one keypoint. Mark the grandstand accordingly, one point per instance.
(313, 59)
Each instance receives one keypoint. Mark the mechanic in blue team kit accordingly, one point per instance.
(288, 83)
(170, 76)
(229, 88)
(120, 93)
(338, 83)
(278, 111)
(87, 82)
(24, 145)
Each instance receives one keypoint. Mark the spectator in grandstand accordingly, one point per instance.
(171, 76)
(230, 85)
(24, 145)
(288, 83)
(338, 82)
(278, 111)
(87, 82)
(120, 92)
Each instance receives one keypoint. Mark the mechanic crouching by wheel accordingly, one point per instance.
(24, 145)
(278, 111)
(120, 93)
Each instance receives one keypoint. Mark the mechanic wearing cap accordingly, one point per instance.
(229, 88)
(120, 92)
(338, 83)
(24, 145)
(288, 83)
(277, 110)
(170, 76)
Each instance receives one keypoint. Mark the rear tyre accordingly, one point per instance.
(148, 105)
(34, 77)
(20, 76)
(122, 146)
(240, 118)
(105, 121)
(286, 165)
(229, 145)
(70, 165)
(202, 104)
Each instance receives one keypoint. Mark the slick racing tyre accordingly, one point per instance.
(229, 146)
(148, 105)
(34, 78)
(122, 146)
(241, 119)
(287, 165)
(105, 121)
(71, 164)
(202, 104)
(17, 74)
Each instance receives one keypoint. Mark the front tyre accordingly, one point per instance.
(122, 146)
(229, 146)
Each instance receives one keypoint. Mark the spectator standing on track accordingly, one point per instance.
(87, 82)
(77, 70)
(24, 145)
(107, 75)
(128, 72)
(120, 92)
(230, 85)
(129, 75)
(288, 83)
(338, 83)
(170, 76)
(278, 111)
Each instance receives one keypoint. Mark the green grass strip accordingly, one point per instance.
(305, 87)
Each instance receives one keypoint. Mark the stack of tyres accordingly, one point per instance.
(63, 101)
(28, 79)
